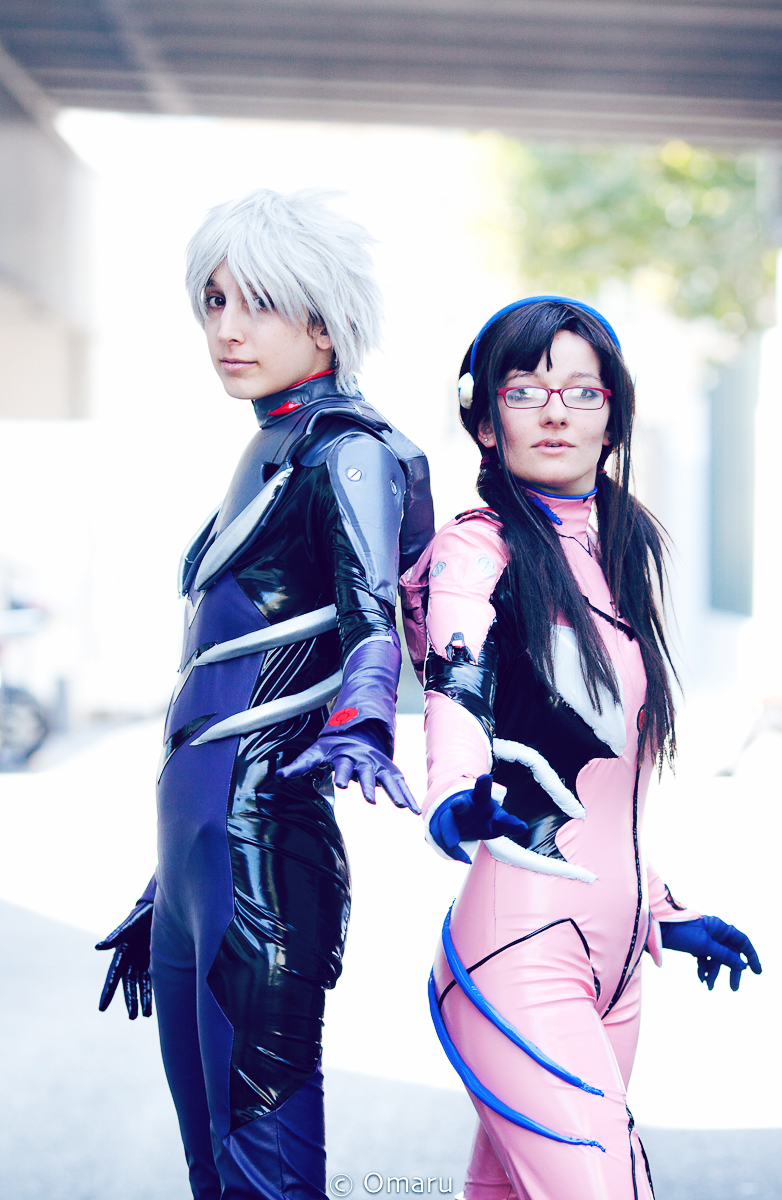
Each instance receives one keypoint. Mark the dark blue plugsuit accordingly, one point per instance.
(252, 887)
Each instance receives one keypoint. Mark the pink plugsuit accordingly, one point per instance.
(555, 953)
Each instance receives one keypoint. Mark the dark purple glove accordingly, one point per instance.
(715, 945)
(358, 738)
(472, 816)
(130, 964)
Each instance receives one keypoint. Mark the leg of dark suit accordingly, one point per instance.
(175, 1001)
(281, 1154)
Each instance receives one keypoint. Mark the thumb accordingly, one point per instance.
(307, 761)
(481, 793)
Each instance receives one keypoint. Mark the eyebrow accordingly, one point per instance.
(572, 375)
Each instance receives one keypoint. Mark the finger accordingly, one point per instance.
(448, 830)
(735, 980)
(712, 971)
(113, 977)
(702, 968)
(343, 771)
(481, 795)
(129, 986)
(722, 954)
(506, 820)
(307, 761)
(728, 935)
(366, 777)
(740, 942)
(146, 994)
(394, 784)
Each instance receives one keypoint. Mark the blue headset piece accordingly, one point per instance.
(466, 381)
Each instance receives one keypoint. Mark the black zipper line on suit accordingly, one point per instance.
(648, 1168)
(517, 942)
(630, 1127)
(626, 972)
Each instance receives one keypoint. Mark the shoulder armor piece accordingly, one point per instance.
(369, 485)
(194, 551)
(307, 434)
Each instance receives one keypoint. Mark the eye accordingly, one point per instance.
(214, 300)
(261, 303)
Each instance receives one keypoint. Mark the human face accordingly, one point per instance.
(554, 447)
(254, 351)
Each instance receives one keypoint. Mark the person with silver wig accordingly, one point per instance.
(308, 262)
(288, 677)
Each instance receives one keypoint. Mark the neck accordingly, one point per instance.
(541, 491)
(298, 395)
(569, 514)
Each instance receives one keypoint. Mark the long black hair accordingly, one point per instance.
(631, 543)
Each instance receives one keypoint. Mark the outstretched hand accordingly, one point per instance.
(470, 816)
(354, 755)
(130, 964)
(715, 944)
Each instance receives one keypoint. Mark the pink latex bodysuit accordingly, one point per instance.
(551, 934)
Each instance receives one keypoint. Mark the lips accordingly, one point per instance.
(235, 364)
(552, 444)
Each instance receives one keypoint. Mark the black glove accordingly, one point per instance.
(130, 943)
(715, 945)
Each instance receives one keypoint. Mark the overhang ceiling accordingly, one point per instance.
(707, 71)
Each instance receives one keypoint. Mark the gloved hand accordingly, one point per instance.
(471, 816)
(715, 945)
(130, 943)
(358, 738)
(354, 755)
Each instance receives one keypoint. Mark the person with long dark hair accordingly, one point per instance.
(537, 622)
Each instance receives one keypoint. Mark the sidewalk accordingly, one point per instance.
(84, 1110)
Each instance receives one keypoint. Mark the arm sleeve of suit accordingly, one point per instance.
(467, 560)
(368, 484)
(662, 905)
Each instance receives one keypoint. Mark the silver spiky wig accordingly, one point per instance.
(310, 262)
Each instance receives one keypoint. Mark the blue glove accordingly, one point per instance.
(715, 945)
(130, 962)
(358, 738)
(472, 816)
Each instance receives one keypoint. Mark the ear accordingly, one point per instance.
(486, 432)
(607, 439)
(322, 339)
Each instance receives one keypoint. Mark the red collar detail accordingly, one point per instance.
(290, 405)
(287, 407)
(319, 375)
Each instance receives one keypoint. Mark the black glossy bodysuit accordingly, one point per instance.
(296, 571)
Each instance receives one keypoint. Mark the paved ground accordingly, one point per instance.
(85, 1115)
(84, 1111)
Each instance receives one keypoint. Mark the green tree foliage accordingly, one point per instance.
(677, 221)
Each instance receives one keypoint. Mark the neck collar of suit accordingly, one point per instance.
(570, 514)
(269, 410)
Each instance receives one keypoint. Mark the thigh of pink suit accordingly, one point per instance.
(545, 987)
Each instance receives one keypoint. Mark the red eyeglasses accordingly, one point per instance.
(591, 398)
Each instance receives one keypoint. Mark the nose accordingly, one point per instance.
(231, 326)
(553, 411)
